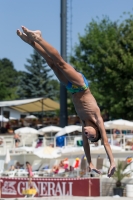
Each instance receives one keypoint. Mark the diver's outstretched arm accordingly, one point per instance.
(87, 153)
(106, 144)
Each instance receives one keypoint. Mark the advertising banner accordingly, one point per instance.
(13, 187)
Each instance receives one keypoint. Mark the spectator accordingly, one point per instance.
(65, 163)
(40, 141)
(116, 139)
(55, 169)
(61, 164)
(30, 174)
(17, 139)
(12, 168)
(8, 125)
(18, 166)
(21, 123)
(1, 140)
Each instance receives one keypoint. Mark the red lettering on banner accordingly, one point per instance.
(13, 187)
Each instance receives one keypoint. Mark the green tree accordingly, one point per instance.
(55, 84)
(8, 80)
(105, 55)
(35, 82)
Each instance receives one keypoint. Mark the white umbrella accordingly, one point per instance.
(7, 158)
(3, 119)
(69, 129)
(12, 118)
(26, 130)
(120, 124)
(50, 129)
(30, 117)
(47, 152)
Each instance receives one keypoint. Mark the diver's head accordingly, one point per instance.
(91, 131)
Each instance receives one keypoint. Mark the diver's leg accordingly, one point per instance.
(43, 53)
(69, 72)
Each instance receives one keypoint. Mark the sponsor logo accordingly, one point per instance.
(49, 188)
(9, 188)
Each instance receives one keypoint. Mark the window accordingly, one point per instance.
(6, 114)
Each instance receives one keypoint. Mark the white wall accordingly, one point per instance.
(13, 113)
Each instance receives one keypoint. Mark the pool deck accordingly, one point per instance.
(74, 198)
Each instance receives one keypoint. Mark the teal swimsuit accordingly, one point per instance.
(75, 88)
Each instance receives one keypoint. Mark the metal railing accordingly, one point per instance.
(121, 140)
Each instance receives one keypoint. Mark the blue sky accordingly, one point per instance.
(45, 15)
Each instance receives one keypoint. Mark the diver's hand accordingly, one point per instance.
(111, 170)
(92, 168)
(24, 37)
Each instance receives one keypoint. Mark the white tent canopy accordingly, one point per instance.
(120, 124)
(31, 105)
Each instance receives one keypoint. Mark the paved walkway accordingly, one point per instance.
(86, 198)
(75, 198)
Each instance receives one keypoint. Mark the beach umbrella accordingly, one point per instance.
(120, 124)
(12, 118)
(30, 117)
(69, 129)
(47, 152)
(3, 119)
(50, 129)
(26, 130)
(28, 135)
(7, 158)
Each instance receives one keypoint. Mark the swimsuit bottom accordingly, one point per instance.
(75, 88)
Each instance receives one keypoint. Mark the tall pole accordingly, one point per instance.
(63, 92)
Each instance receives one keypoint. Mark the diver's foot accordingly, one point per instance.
(24, 37)
(33, 35)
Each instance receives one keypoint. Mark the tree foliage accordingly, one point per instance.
(56, 87)
(8, 80)
(35, 81)
(105, 55)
